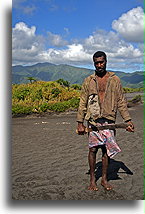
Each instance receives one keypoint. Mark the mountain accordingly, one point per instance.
(51, 72)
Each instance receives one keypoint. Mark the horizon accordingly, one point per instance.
(93, 69)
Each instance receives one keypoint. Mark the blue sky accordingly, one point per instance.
(70, 31)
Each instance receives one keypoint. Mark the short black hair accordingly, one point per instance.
(99, 54)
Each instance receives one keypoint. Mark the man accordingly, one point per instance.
(101, 97)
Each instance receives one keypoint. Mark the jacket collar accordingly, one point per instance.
(109, 72)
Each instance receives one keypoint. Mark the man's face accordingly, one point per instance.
(100, 64)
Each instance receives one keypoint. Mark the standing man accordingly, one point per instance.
(101, 97)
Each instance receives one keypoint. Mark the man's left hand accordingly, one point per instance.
(130, 127)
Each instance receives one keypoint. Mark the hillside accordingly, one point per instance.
(52, 72)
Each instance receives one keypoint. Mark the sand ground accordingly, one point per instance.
(49, 160)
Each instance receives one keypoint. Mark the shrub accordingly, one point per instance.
(76, 86)
(74, 102)
(55, 92)
(131, 90)
(19, 109)
(60, 106)
(43, 107)
(36, 94)
(21, 94)
(63, 82)
(136, 99)
(43, 96)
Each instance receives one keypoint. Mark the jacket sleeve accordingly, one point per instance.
(122, 103)
(82, 110)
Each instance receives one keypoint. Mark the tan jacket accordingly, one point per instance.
(114, 100)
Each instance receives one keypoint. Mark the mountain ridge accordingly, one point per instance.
(75, 75)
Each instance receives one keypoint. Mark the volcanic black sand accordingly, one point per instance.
(49, 160)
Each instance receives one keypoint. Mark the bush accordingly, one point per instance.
(76, 86)
(74, 102)
(63, 82)
(60, 106)
(43, 96)
(36, 94)
(21, 94)
(136, 99)
(131, 90)
(55, 92)
(44, 107)
(19, 109)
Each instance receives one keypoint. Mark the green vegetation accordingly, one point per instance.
(61, 106)
(50, 72)
(52, 96)
(131, 90)
(136, 99)
(76, 86)
(63, 82)
(37, 97)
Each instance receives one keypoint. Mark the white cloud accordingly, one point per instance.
(22, 27)
(103, 40)
(29, 48)
(25, 44)
(56, 40)
(111, 43)
(73, 54)
(131, 25)
(19, 5)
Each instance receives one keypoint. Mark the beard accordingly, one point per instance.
(101, 70)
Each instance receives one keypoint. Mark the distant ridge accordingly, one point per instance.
(75, 75)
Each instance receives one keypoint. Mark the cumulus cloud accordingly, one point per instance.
(56, 40)
(25, 44)
(73, 54)
(29, 48)
(111, 43)
(131, 25)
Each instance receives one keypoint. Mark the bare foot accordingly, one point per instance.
(93, 187)
(106, 185)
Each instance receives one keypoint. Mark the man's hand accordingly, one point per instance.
(130, 127)
(81, 128)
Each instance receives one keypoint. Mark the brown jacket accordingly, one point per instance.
(114, 100)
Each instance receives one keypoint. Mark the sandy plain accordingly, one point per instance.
(49, 160)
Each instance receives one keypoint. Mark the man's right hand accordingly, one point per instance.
(130, 127)
(81, 128)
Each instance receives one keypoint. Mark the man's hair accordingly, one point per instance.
(99, 54)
